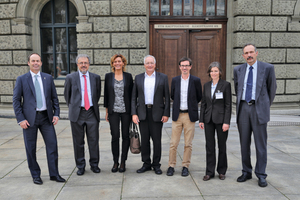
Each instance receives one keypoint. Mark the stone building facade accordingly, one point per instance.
(106, 27)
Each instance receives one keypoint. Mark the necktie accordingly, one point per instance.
(248, 96)
(38, 93)
(86, 96)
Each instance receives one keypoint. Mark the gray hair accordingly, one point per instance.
(82, 56)
(151, 57)
(249, 44)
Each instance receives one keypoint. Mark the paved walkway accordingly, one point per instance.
(283, 168)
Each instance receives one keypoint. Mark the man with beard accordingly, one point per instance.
(82, 93)
(255, 89)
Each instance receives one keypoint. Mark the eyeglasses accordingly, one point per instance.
(185, 66)
(85, 63)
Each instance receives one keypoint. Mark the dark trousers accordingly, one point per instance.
(152, 129)
(30, 136)
(210, 129)
(114, 122)
(86, 123)
(248, 123)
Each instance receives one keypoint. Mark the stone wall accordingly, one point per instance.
(269, 25)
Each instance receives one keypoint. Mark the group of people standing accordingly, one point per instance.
(146, 102)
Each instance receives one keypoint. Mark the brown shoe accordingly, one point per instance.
(206, 177)
(222, 176)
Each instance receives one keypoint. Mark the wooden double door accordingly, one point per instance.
(202, 46)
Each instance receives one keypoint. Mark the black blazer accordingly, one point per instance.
(24, 100)
(217, 110)
(161, 99)
(109, 92)
(72, 94)
(194, 97)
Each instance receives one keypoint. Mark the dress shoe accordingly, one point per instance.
(37, 181)
(80, 171)
(222, 176)
(185, 171)
(57, 178)
(206, 177)
(96, 169)
(262, 182)
(244, 177)
(143, 169)
(115, 168)
(157, 170)
(122, 167)
(170, 171)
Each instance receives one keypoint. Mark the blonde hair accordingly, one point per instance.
(113, 58)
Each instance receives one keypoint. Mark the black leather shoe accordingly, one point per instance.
(143, 169)
(80, 171)
(244, 177)
(157, 170)
(96, 169)
(206, 177)
(185, 171)
(57, 178)
(170, 171)
(37, 181)
(115, 168)
(122, 167)
(262, 182)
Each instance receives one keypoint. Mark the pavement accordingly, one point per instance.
(282, 169)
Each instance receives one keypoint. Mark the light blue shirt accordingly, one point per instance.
(254, 71)
(213, 88)
(88, 87)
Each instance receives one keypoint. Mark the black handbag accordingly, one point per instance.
(134, 135)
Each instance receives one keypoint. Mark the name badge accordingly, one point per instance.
(219, 95)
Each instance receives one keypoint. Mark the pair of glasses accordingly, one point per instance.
(185, 66)
(83, 63)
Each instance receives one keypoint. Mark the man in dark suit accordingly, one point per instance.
(36, 107)
(186, 92)
(255, 88)
(82, 93)
(150, 108)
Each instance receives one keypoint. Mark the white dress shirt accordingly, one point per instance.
(213, 88)
(254, 72)
(149, 86)
(39, 78)
(88, 88)
(184, 85)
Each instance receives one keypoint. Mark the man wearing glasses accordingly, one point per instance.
(186, 93)
(82, 93)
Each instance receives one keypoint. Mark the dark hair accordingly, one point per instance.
(249, 44)
(113, 58)
(34, 54)
(185, 59)
(215, 64)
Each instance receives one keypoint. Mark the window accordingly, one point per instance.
(58, 38)
(186, 8)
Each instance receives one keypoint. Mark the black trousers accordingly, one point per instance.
(30, 136)
(114, 122)
(86, 123)
(210, 129)
(152, 129)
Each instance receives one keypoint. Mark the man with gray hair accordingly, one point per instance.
(82, 93)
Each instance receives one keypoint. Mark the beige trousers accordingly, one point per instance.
(184, 123)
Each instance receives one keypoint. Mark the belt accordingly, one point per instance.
(149, 105)
(41, 112)
(183, 111)
(83, 108)
(250, 103)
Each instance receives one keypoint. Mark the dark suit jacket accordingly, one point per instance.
(265, 89)
(24, 100)
(72, 94)
(217, 110)
(161, 99)
(194, 97)
(109, 92)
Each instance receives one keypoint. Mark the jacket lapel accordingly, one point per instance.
(77, 79)
(44, 84)
(218, 88)
(156, 81)
(242, 74)
(30, 83)
(259, 79)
